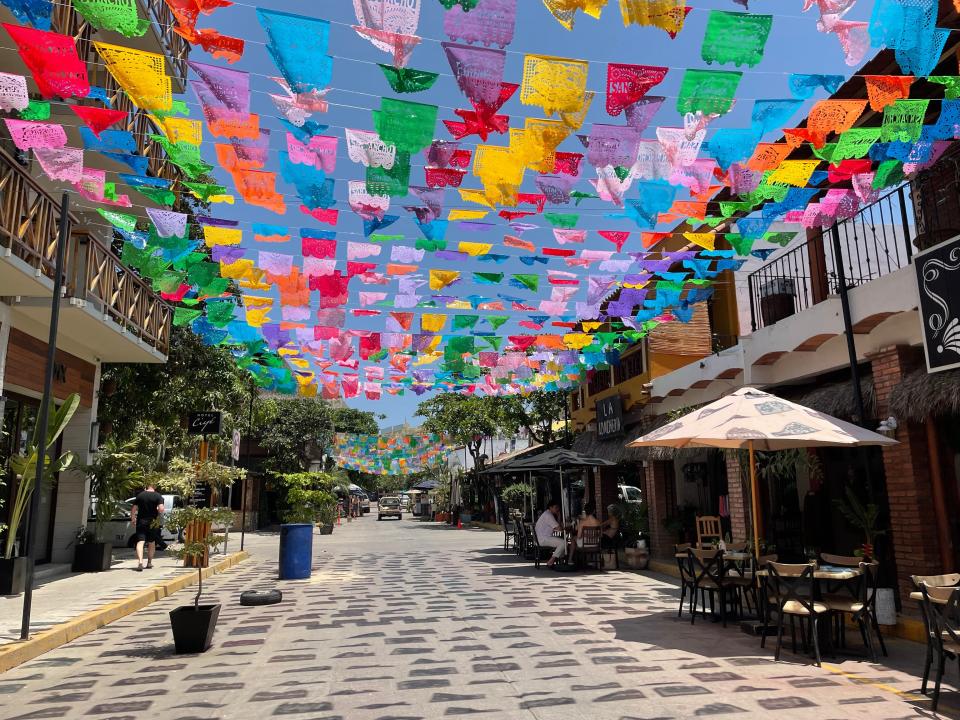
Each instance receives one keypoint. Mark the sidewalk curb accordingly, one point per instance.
(19, 652)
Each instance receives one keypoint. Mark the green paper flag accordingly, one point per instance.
(394, 182)
(488, 278)
(494, 341)
(408, 125)
(855, 143)
(741, 245)
(117, 15)
(184, 156)
(220, 313)
(431, 245)
(497, 320)
(204, 191)
(119, 220)
(903, 121)
(203, 273)
(889, 172)
(169, 281)
(178, 107)
(711, 92)
(182, 315)
(824, 153)
(528, 280)
(560, 220)
(161, 196)
(36, 110)
(465, 322)
(951, 85)
(408, 80)
(467, 5)
(578, 196)
(215, 288)
(734, 37)
(779, 238)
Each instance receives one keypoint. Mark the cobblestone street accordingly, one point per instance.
(416, 620)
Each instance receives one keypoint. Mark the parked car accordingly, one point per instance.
(118, 529)
(389, 507)
(629, 493)
(405, 501)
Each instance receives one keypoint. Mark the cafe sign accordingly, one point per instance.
(204, 423)
(938, 285)
(609, 417)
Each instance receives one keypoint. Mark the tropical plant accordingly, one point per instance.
(24, 466)
(115, 474)
(180, 478)
(218, 477)
(862, 517)
(515, 495)
(308, 497)
(197, 549)
(634, 521)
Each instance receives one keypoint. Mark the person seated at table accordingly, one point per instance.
(588, 520)
(611, 528)
(547, 525)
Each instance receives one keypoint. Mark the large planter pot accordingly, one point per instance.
(193, 627)
(13, 575)
(636, 559)
(92, 557)
(296, 551)
(326, 529)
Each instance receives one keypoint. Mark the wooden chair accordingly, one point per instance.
(941, 609)
(708, 528)
(950, 580)
(793, 588)
(539, 553)
(590, 546)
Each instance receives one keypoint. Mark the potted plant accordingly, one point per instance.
(23, 467)
(193, 625)
(306, 500)
(515, 496)
(634, 522)
(114, 475)
(327, 516)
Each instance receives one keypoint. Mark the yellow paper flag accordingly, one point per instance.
(793, 172)
(704, 240)
(468, 214)
(439, 279)
(474, 249)
(555, 84)
(140, 74)
(213, 235)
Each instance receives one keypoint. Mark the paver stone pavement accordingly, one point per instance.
(410, 620)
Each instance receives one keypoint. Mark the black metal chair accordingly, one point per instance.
(540, 553)
(686, 575)
(949, 580)
(793, 589)
(941, 609)
(507, 533)
(858, 599)
(710, 576)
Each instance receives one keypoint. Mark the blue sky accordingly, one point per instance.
(358, 84)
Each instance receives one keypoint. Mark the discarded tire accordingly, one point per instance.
(258, 597)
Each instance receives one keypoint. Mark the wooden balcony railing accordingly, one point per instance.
(29, 227)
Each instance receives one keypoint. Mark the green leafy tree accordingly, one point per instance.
(465, 419)
(294, 432)
(116, 473)
(536, 413)
(155, 398)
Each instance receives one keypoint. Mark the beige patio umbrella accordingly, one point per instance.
(752, 419)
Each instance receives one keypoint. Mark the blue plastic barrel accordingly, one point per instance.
(296, 551)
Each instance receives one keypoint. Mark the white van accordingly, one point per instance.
(118, 529)
(629, 493)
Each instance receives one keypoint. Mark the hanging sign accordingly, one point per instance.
(938, 285)
(204, 423)
(609, 417)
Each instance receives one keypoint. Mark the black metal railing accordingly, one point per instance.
(873, 243)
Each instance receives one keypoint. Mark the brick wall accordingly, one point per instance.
(739, 513)
(912, 522)
(658, 474)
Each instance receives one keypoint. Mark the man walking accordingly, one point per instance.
(147, 507)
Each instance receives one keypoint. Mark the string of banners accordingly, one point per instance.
(514, 243)
(387, 455)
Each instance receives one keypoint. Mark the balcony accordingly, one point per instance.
(109, 313)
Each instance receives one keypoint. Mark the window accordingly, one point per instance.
(599, 382)
(630, 367)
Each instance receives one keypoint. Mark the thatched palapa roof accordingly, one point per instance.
(921, 394)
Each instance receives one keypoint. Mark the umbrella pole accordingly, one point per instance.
(755, 499)
(563, 499)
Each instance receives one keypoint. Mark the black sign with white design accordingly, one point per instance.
(938, 284)
(204, 423)
(609, 417)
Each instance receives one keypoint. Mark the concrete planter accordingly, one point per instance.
(636, 559)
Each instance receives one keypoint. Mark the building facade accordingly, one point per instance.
(108, 314)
